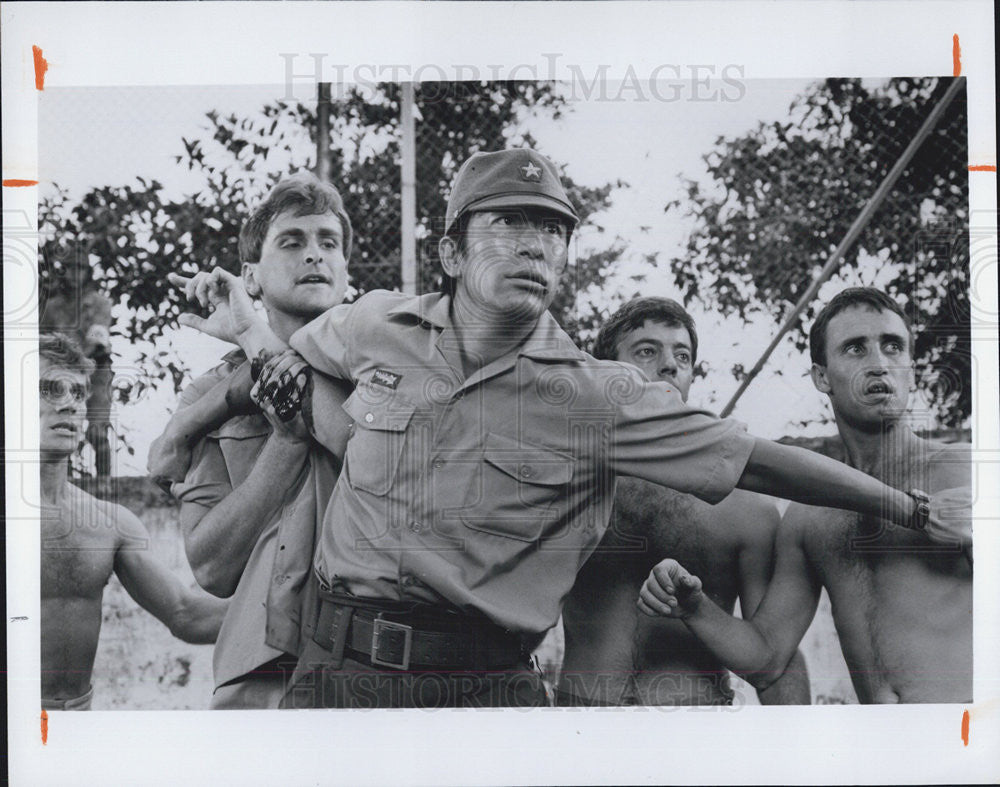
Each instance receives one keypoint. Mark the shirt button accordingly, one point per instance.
(526, 471)
(416, 527)
(408, 580)
(369, 418)
(438, 464)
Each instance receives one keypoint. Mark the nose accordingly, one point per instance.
(668, 366)
(877, 362)
(530, 243)
(313, 252)
(72, 407)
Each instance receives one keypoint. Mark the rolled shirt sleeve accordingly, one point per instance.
(323, 342)
(207, 483)
(659, 438)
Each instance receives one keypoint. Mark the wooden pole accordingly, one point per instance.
(851, 236)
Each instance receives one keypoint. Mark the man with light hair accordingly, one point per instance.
(253, 487)
(86, 540)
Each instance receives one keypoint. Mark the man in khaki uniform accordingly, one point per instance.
(253, 491)
(481, 470)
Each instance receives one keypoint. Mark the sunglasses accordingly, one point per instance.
(57, 390)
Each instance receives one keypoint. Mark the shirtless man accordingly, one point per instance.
(614, 656)
(85, 539)
(78, 308)
(901, 600)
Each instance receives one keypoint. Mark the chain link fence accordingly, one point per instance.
(863, 184)
(764, 216)
(450, 121)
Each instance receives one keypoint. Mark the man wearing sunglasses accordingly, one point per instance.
(85, 540)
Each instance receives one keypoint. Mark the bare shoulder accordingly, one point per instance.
(83, 522)
(753, 518)
(123, 527)
(949, 465)
(801, 522)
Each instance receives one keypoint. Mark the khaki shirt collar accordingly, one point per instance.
(547, 342)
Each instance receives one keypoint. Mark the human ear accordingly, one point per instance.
(448, 252)
(818, 374)
(248, 272)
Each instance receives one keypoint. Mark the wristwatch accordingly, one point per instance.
(922, 511)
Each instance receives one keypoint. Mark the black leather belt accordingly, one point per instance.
(405, 640)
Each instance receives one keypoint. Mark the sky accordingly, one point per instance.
(108, 136)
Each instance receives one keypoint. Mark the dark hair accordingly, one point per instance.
(62, 351)
(853, 296)
(304, 193)
(459, 233)
(633, 314)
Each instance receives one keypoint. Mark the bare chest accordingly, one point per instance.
(650, 523)
(903, 610)
(77, 554)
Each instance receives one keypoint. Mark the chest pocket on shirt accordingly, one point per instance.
(520, 491)
(376, 441)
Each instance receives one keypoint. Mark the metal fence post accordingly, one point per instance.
(323, 132)
(408, 195)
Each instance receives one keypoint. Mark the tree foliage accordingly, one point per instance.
(133, 235)
(782, 197)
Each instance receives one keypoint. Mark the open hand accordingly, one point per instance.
(231, 310)
(670, 591)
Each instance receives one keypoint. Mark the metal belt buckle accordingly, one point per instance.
(378, 626)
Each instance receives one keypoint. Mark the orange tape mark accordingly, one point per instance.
(982, 168)
(956, 55)
(965, 728)
(14, 183)
(45, 727)
(41, 66)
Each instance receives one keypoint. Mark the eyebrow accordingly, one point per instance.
(883, 337)
(681, 344)
(295, 232)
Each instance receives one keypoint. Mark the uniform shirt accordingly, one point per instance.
(490, 492)
(264, 618)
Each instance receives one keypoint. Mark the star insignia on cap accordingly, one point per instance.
(531, 172)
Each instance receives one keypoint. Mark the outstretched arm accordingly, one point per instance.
(756, 562)
(758, 649)
(811, 478)
(191, 614)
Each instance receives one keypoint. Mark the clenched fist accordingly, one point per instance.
(670, 591)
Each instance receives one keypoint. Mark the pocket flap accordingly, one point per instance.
(528, 463)
(392, 415)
